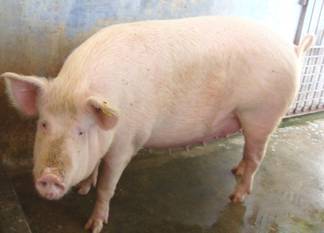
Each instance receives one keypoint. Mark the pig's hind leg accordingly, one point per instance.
(85, 185)
(257, 127)
(238, 170)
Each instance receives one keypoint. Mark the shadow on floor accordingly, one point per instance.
(187, 192)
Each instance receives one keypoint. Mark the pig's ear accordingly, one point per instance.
(23, 91)
(105, 115)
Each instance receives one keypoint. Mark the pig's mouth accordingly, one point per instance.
(50, 186)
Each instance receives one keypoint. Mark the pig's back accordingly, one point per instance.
(183, 78)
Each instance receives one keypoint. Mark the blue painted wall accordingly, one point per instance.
(37, 35)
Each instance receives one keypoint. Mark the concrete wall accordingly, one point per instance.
(37, 35)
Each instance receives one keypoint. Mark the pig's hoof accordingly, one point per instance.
(84, 189)
(238, 170)
(238, 196)
(94, 224)
(98, 218)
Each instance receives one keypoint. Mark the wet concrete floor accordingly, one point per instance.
(187, 192)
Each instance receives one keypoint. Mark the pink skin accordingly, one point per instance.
(61, 153)
(156, 84)
(50, 186)
(85, 185)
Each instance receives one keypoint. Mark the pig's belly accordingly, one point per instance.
(193, 134)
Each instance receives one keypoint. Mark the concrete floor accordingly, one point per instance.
(187, 192)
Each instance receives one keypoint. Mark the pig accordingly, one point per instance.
(156, 84)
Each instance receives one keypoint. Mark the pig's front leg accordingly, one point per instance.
(113, 165)
(85, 185)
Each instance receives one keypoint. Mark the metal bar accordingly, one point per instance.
(311, 17)
(301, 21)
(320, 109)
(314, 55)
(313, 65)
(319, 17)
(310, 97)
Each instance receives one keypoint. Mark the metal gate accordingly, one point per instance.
(311, 94)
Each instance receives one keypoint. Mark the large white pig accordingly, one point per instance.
(156, 84)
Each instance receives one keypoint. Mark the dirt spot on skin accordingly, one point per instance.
(57, 157)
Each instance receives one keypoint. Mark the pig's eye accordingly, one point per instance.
(81, 133)
(43, 125)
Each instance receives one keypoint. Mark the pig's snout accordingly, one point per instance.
(50, 186)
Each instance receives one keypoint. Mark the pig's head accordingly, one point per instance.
(73, 130)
